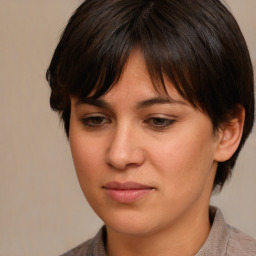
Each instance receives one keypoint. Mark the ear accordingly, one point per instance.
(229, 135)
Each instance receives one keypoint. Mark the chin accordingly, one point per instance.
(133, 224)
(130, 229)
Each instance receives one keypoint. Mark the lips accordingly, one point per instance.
(127, 192)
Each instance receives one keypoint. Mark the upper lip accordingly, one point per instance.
(126, 185)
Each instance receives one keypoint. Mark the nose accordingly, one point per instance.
(125, 149)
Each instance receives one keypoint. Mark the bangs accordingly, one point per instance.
(93, 56)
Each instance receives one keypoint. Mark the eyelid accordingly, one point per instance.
(162, 116)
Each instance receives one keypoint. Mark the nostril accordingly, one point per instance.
(125, 158)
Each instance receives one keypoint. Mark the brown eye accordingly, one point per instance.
(159, 122)
(95, 121)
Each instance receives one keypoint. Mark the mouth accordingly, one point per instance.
(126, 192)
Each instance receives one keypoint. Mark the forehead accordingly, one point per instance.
(135, 79)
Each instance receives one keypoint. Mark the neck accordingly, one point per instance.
(184, 238)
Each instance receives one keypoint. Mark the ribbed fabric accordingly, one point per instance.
(223, 240)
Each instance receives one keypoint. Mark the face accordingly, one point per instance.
(145, 161)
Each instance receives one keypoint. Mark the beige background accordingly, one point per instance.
(42, 209)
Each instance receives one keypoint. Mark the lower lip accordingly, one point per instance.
(127, 195)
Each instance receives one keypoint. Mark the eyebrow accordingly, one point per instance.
(94, 102)
(142, 104)
(159, 100)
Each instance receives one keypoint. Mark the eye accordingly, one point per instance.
(95, 121)
(159, 122)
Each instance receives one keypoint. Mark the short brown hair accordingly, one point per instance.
(197, 44)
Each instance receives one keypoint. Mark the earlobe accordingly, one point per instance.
(230, 135)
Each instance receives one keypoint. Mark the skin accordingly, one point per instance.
(169, 147)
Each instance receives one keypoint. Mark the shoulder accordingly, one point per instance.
(224, 240)
(94, 246)
(240, 243)
(80, 250)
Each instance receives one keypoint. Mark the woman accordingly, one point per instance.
(157, 101)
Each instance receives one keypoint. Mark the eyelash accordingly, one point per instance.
(156, 123)
(90, 121)
(159, 123)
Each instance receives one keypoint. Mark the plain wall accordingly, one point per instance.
(43, 212)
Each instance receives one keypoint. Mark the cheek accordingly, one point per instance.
(87, 156)
(184, 161)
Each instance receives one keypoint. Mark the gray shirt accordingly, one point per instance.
(223, 240)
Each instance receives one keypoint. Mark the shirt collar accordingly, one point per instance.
(217, 240)
(98, 243)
